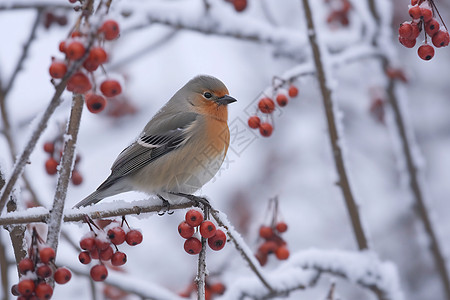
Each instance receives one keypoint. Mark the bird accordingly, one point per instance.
(180, 149)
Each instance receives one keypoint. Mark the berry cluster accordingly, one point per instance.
(194, 220)
(266, 106)
(99, 245)
(273, 242)
(422, 14)
(36, 270)
(51, 18)
(75, 49)
(211, 290)
(338, 15)
(54, 149)
(239, 5)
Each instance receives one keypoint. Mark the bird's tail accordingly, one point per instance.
(91, 199)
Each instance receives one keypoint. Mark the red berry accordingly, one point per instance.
(75, 50)
(407, 42)
(84, 257)
(43, 291)
(134, 237)
(51, 166)
(441, 39)
(185, 230)
(268, 247)
(90, 66)
(49, 147)
(426, 52)
(95, 103)
(95, 253)
(99, 273)
(76, 178)
(62, 275)
(44, 271)
(426, 13)
(116, 235)
(76, 34)
(239, 5)
(194, 217)
(405, 30)
(266, 105)
(293, 91)
(98, 55)
(110, 88)
(57, 69)
(262, 258)
(62, 47)
(26, 265)
(282, 253)
(416, 31)
(106, 254)
(218, 241)
(415, 12)
(101, 244)
(432, 27)
(26, 287)
(253, 122)
(87, 244)
(414, 2)
(281, 227)
(266, 129)
(79, 83)
(110, 29)
(15, 290)
(207, 229)
(193, 245)
(266, 232)
(118, 259)
(217, 288)
(282, 100)
(47, 254)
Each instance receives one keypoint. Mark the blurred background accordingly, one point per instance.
(163, 44)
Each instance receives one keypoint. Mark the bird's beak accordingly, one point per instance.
(225, 100)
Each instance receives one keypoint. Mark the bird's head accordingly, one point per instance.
(209, 96)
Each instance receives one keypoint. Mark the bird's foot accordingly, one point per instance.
(166, 204)
(198, 200)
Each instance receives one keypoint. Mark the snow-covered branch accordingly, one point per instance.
(335, 133)
(304, 267)
(65, 171)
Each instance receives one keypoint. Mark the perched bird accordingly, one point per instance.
(180, 149)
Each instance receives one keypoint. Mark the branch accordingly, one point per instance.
(4, 265)
(242, 248)
(201, 271)
(335, 139)
(98, 211)
(65, 171)
(414, 171)
(41, 4)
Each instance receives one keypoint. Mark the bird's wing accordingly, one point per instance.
(150, 146)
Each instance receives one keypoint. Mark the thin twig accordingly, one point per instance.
(414, 170)
(201, 272)
(335, 138)
(65, 171)
(16, 234)
(17, 4)
(250, 260)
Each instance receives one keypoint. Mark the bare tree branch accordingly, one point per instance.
(335, 138)
(4, 265)
(414, 171)
(65, 172)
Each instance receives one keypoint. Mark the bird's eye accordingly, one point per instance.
(207, 95)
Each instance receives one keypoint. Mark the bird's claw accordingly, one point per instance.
(166, 204)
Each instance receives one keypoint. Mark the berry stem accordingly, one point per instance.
(433, 5)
